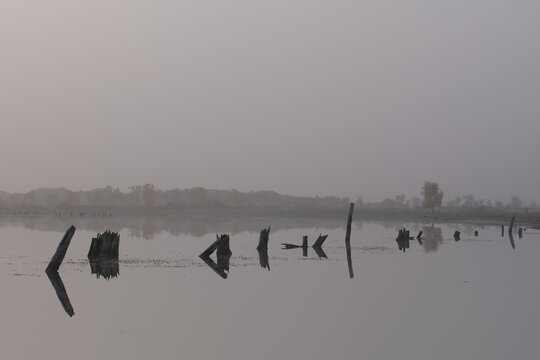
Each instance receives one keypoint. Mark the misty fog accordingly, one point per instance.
(301, 97)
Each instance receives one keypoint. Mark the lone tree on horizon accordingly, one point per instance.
(432, 195)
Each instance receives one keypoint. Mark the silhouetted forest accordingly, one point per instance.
(147, 199)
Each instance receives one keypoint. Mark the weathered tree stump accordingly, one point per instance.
(215, 245)
(105, 245)
(223, 248)
(58, 256)
(263, 239)
(403, 239)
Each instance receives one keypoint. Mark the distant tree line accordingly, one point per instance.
(147, 198)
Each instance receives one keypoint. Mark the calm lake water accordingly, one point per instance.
(477, 298)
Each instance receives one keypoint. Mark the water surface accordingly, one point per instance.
(476, 298)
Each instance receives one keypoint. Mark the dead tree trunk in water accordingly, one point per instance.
(215, 245)
(348, 240)
(263, 239)
(224, 248)
(58, 256)
(511, 227)
(105, 245)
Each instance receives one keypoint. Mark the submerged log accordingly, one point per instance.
(58, 256)
(60, 290)
(263, 239)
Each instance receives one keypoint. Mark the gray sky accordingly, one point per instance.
(302, 97)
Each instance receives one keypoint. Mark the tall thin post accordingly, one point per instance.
(348, 240)
(58, 256)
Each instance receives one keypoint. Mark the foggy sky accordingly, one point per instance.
(308, 97)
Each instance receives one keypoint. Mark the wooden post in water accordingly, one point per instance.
(58, 256)
(263, 239)
(224, 247)
(348, 240)
(511, 227)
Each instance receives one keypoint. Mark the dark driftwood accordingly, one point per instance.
(58, 256)
(348, 240)
(263, 258)
(213, 247)
(60, 290)
(320, 241)
(456, 235)
(263, 239)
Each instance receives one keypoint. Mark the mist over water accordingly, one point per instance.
(164, 136)
(306, 97)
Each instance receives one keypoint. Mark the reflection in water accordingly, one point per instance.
(403, 239)
(432, 239)
(320, 252)
(198, 225)
(58, 286)
(511, 236)
(220, 270)
(263, 258)
(108, 268)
